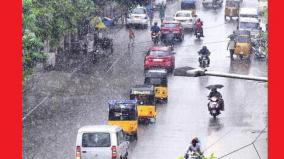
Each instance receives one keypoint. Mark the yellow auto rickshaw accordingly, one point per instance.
(146, 102)
(124, 113)
(232, 8)
(243, 44)
(158, 78)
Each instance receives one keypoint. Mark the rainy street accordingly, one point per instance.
(57, 103)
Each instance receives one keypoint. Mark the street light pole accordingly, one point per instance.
(195, 72)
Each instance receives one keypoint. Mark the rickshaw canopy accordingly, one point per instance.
(97, 23)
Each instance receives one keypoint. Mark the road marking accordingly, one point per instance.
(113, 64)
(30, 112)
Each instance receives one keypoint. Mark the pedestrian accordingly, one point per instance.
(162, 11)
(231, 46)
(131, 37)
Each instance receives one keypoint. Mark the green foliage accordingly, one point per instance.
(50, 20)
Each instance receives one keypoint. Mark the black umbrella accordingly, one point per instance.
(217, 86)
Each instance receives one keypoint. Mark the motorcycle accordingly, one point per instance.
(155, 38)
(204, 61)
(169, 40)
(193, 155)
(258, 50)
(198, 34)
(214, 106)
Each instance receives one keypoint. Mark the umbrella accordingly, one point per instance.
(217, 86)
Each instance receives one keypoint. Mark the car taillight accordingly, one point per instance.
(113, 152)
(78, 152)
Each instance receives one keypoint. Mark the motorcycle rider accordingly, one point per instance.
(194, 147)
(155, 29)
(204, 52)
(215, 93)
(198, 27)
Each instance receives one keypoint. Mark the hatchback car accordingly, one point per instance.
(172, 26)
(138, 17)
(101, 142)
(186, 18)
(160, 57)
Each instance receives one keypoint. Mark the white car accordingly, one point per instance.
(186, 18)
(138, 17)
(101, 142)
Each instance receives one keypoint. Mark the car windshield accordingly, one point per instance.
(170, 25)
(248, 25)
(139, 11)
(243, 39)
(143, 99)
(98, 139)
(182, 14)
(122, 112)
(159, 53)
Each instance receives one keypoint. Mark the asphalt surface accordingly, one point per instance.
(57, 103)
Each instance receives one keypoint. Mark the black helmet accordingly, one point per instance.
(155, 23)
(214, 89)
(194, 140)
(204, 47)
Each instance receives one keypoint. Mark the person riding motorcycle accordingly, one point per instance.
(155, 28)
(215, 93)
(204, 52)
(198, 27)
(194, 147)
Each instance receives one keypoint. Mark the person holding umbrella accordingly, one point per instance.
(215, 93)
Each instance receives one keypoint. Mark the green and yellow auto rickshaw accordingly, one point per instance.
(232, 8)
(243, 45)
(124, 113)
(146, 102)
(158, 78)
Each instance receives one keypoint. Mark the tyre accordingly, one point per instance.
(135, 136)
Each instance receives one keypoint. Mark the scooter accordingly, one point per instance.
(155, 38)
(214, 107)
(204, 61)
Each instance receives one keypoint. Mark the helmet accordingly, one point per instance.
(198, 19)
(195, 140)
(155, 23)
(204, 47)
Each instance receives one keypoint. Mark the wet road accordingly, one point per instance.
(60, 102)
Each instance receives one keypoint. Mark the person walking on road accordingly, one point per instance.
(162, 11)
(231, 46)
(131, 36)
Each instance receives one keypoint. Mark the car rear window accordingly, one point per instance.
(98, 139)
(183, 15)
(159, 53)
(139, 11)
(170, 25)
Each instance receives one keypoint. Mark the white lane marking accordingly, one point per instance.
(113, 64)
(30, 112)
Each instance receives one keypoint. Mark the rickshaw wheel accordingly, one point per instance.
(135, 136)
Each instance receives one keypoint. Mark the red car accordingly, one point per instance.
(160, 57)
(173, 26)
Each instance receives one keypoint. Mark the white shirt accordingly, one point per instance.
(231, 44)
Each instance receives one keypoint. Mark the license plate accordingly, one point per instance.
(158, 60)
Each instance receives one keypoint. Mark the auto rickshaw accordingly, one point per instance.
(124, 113)
(146, 102)
(232, 8)
(158, 78)
(243, 44)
